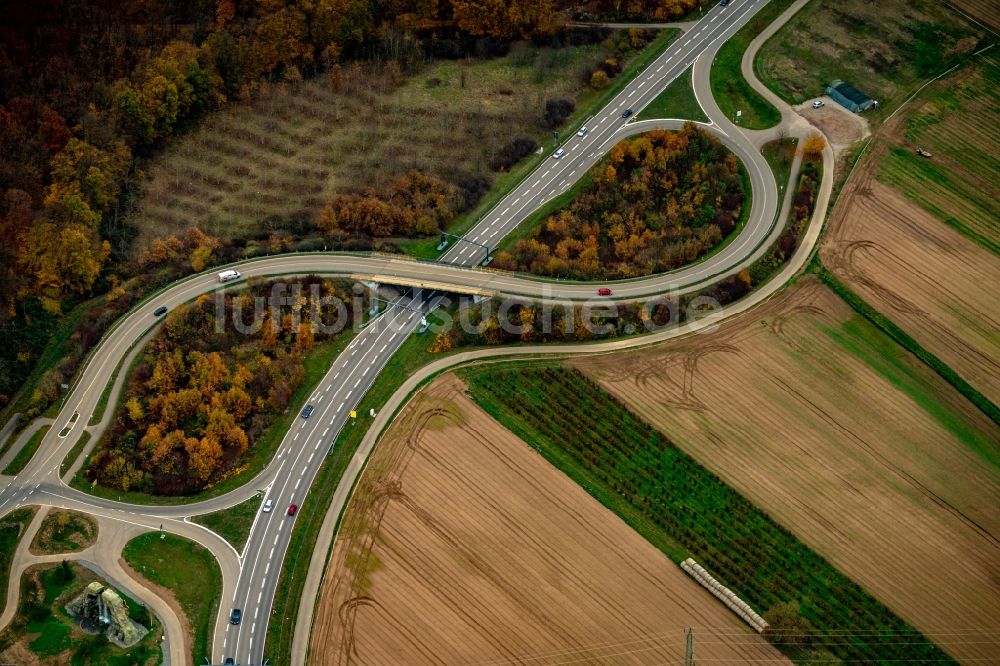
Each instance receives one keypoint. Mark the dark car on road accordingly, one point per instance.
(234, 617)
(160, 311)
(307, 411)
(229, 660)
(626, 113)
(292, 508)
(603, 291)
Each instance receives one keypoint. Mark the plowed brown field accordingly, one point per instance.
(899, 247)
(848, 441)
(461, 545)
(934, 283)
(981, 10)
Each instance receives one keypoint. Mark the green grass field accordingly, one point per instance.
(685, 510)
(676, 101)
(953, 119)
(885, 49)
(190, 572)
(233, 524)
(27, 451)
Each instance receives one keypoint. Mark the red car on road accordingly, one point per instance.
(603, 291)
(292, 508)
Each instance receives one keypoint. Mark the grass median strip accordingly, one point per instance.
(676, 101)
(233, 524)
(187, 570)
(27, 451)
(412, 355)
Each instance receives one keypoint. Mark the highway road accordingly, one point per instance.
(250, 578)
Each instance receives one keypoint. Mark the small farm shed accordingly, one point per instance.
(849, 97)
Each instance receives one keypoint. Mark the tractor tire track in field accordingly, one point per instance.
(461, 545)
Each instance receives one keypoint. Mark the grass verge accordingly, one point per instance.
(730, 90)
(233, 524)
(74, 453)
(57, 348)
(28, 450)
(779, 155)
(412, 355)
(687, 511)
(12, 527)
(676, 101)
(884, 324)
(187, 570)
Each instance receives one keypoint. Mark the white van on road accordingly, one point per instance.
(227, 276)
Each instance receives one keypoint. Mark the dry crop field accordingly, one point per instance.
(845, 439)
(462, 545)
(284, 155)
(892, 247)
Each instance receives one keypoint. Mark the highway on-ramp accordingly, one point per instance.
(251, 578)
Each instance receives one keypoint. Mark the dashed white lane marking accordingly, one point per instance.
(311, 455)
(357, 382)
(295, 439)
(324, 432)
(517, 199)
(337, 375)
(659, 68)
(298, 482)
(533, 184)
(267, 570)
(563, 182)
(505, 210)
(383, 348)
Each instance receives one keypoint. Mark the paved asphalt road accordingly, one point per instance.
(250, 580)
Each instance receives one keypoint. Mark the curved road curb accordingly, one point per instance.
(327, 534)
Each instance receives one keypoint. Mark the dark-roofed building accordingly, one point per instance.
(849, 97)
